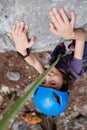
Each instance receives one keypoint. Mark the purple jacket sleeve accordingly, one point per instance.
(76, 67)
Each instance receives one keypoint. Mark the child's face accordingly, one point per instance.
(54, 79)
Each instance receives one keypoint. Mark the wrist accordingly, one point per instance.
(24, 54)
(79, 34)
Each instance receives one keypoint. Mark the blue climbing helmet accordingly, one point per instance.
(50, 101)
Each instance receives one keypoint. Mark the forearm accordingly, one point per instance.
(80, 37)
(34, 62)
(80, 34)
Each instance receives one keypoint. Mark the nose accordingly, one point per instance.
(51, 73)
(47, 79)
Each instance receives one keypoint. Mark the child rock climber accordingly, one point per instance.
(51, 97)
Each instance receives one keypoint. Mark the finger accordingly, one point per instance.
(64, 16)
(26, 28)
(58, 16)
(54, 20)
(13, 30)
(53, 29)
(72, 18)
(17, 29)
(31, 42)
(21, 27)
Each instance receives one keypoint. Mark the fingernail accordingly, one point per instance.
(50, 12)
(51, 24)
(72, 12)
(61, 9)
(26, 25)
(18, 24)
(14, 26)
(22, 22)
(54, 8)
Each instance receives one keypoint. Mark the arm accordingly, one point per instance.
(20, 33)
(35, 63)
(80, 37)
(61, 25)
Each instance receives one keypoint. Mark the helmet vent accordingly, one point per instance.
(56, 98)
(35, 91)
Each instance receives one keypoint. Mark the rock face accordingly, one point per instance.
(36, 14)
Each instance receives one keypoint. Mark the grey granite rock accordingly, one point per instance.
(78, 123)
(36, 14)
(13, 75)
(18, 125)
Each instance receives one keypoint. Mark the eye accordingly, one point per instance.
(53, 83)
(43, 82)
